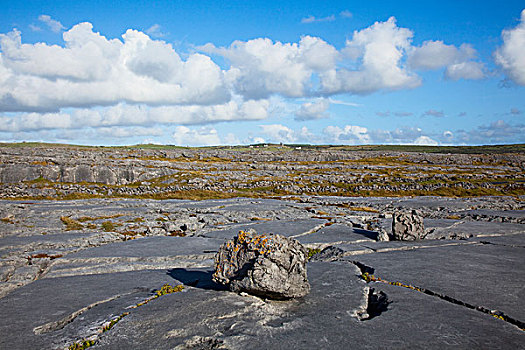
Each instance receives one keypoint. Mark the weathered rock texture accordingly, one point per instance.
(65, 172)
(408, 226)
(271, 266)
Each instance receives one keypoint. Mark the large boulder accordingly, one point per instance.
(271, 266)
(407, 225)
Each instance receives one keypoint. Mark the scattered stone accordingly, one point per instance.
(270, 266)
(408, 226)
(330, 253)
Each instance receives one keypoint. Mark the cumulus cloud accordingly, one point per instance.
(510, 56)
(458, 61)
(90, 70)
(54, 25)
(261, 67)
(357, 135)
(350, 134)
(313, 110)
(135, 81)
(425, 141)
(278, 133)
(377, 53)
(204, 136)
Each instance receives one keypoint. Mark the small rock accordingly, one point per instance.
(330, 253)
(270, 266)
(408, 226)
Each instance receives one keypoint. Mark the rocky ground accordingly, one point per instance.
(92, 271)
(51, 172)
(114, 248)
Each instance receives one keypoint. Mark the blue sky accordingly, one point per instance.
(207, 73)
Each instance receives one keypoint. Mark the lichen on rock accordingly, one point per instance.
(271, 266)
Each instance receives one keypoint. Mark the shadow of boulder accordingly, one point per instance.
(196, 278)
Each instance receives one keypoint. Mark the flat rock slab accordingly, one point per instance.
(338, 234)
(138, 254)
(287, 228)
(415, 320)
(153, 246)
(52, 299)
(485, 275)
(473, 228)
(204, 316)
(513, 240)
(106, 279)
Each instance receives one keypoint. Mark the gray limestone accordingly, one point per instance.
(266, 265)
(58, 287)
(408, 226)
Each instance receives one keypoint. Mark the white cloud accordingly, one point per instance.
(379, 49)
(313, 110)
(465, 70)
(447, 136)
(139, 115)
(155, 32)
(260, 67)
(279, 133)
(54, 25)
(358, 135)
(91, 70)
(255, 140)
(35, 121)
(204, 136)
(459, 61)
(433, 55)
(350, 134)
(313, 19)
(425, 141)
(231, 139)
(510, 56)
(127, 132)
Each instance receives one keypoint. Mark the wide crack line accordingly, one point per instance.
(367, 275)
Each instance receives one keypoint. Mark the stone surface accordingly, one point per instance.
(486, 275)
(270, 266)
(408, 226)
(49, 273)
